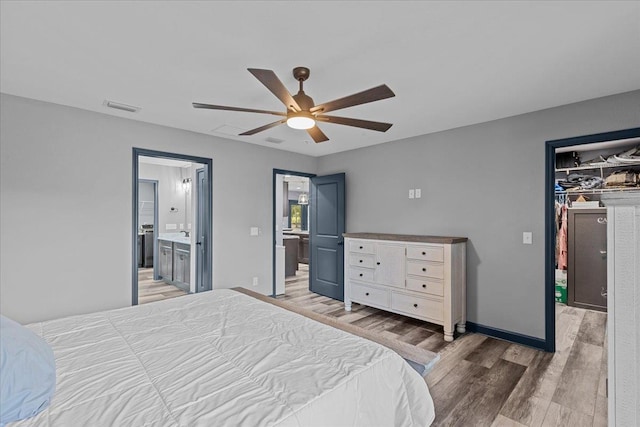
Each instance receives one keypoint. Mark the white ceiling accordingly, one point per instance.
(450, 64)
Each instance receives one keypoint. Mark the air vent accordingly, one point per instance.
(120, 106)
(274, 140)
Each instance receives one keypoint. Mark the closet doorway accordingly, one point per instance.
(582, 173)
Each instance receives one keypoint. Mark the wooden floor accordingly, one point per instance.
(150, 290)
(482, 381)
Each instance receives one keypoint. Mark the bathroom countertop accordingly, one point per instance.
(175, 237)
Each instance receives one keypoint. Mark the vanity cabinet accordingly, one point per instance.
(175, 263)
(165, 248)
(423, 277)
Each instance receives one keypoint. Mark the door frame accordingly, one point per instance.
(155, 223)
(277, 172)
(549, 233)
(136, 153)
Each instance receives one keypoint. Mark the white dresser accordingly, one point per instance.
(423, 277)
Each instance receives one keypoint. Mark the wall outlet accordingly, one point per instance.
(254, 231)
(171, 226)
(412, 193)
(418, 193)
(527, 238)
(255, 281)
(181, 226)
(189, 226)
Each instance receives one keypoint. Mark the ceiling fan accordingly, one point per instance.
(302, 113)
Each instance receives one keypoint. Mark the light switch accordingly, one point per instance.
(412, 193)
(254, 231)
(527, 238)
(418, 193)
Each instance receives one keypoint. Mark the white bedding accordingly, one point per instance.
(223, 358)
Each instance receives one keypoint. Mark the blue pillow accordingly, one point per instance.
(27, 372)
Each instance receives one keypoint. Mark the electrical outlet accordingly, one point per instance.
(412, 193)
(418, 193)
(254, 231)
(181, 226)
(527, 238)
(255, 281)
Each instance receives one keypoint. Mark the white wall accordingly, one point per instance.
(65, 219)
(170, 195)
(484, 182)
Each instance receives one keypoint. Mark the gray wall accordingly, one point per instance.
(65, 219)
(485, 182)
(170, 194)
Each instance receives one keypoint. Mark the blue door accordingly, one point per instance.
(326, 243)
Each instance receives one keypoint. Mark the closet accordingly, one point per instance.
(585, 175)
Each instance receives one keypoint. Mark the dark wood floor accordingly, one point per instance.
(482, 381)
(150, 290)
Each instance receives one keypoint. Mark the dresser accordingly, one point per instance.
(423, 277)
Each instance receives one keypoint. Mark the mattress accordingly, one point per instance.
(223, 358)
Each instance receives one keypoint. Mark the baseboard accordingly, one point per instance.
(515, 337)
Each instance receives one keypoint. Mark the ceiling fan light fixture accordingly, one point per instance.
(301, 120)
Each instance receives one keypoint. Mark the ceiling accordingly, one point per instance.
(450, 64)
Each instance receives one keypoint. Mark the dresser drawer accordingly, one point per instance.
(361, 274)
(426, 269)
(361, 260)
(370, 295)
(426, 286)
(430, 308)
(361, 246)
(426, 253)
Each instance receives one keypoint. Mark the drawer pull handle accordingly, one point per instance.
(360, 274)
(361, 247)
(360, 260)
(424, 269)
(367, 294)
(415, 305)
(424, 286)
(424, 253)
(378, 263)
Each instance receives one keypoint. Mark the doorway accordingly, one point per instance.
(308, 222)
(607, 144)
(172, 233)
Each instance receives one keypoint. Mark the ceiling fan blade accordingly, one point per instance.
(246, 110)
(374, 94)
(273, 83)
(317, 134)
(365, 124)
(265, 127)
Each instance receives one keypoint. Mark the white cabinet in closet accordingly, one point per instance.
(423, 277)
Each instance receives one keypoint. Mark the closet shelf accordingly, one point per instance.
(600, 190)
(597, 167)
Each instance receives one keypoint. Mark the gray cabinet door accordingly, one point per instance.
(166, 260)
(181, 266)
(587, 258)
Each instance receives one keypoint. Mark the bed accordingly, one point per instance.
(223, 358)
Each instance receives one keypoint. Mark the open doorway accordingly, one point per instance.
(582, 173)
(172, 225)
(291, 232)
(308, 223)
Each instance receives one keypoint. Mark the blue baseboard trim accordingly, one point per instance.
(515, 337)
